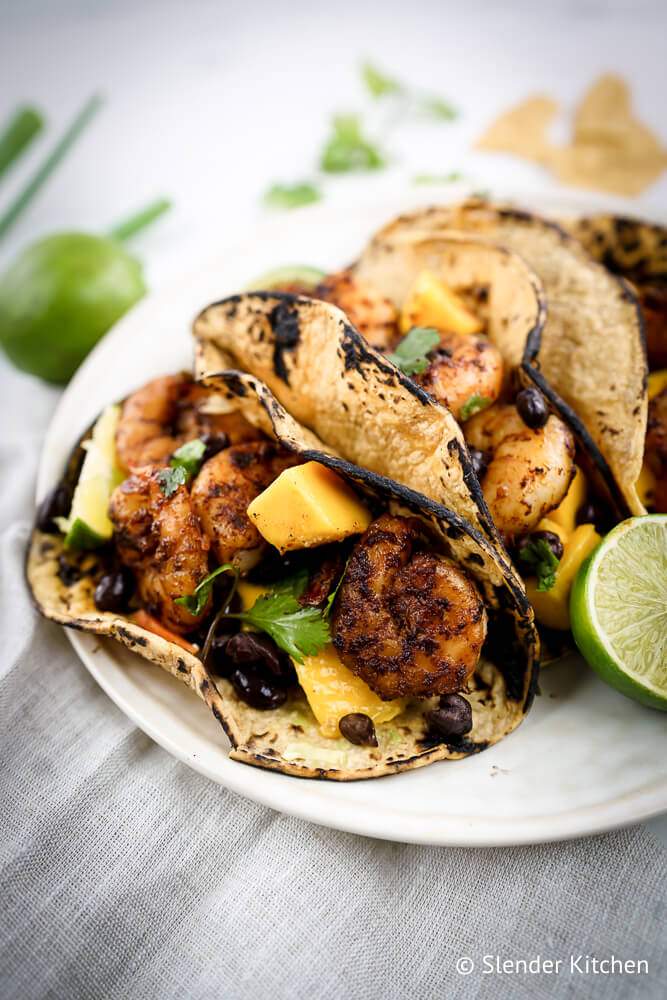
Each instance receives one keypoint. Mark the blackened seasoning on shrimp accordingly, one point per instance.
(407, 621)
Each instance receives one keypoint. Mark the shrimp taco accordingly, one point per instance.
(537, 351)
(589, 361)
(339, 624)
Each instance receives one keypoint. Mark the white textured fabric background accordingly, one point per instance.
(123, 873)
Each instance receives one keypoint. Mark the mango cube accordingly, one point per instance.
(657, 381)
(645, 485)
(334, 691)
(552, 606)
(566, 513)
(430, 302)
(308, 505)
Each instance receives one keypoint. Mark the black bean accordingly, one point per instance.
(532, 408)
(56, 503)
(253, 647)
(69, 573)
(114, 591)
(217, 658)
(480, 460)
(214, 442)
(452, 719)
(586, 514)
(550, 537)
(252, 686)
(359, 729)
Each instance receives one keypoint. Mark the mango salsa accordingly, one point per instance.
(308, 505)
(431, 303)
(552, 606)
(334, 691)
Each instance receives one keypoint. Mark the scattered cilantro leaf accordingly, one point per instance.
(483, 194)
(410, 354)
(184, 464)
(299, 631)
(378, 83)
(450, 178)
(196, 601)
(287, 196)
(542, 561)
(436, 107)
(473, 405)
(347, 149)
(170, 479)
(189, 457)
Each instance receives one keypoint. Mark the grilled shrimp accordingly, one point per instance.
(161, 540)
(164, 414)
(463, 367)
(529, 471)
(407, 621)
(373, 315)
(224, 488)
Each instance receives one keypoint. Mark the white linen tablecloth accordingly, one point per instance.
(124, 874)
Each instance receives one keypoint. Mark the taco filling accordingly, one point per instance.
(323, 615)
(455, 315)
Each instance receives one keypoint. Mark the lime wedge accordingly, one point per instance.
(88, 525)
(618, 609)
(291, 274)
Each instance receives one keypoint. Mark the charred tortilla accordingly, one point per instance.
(637, 251)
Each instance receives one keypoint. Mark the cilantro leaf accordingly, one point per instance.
(287, 196)
(436, 107)
(170, 479)
(377, 82)
(189, 457)
(299, 631)
(450, 178)
(538, 555)
(197, 600)
(184, 464)
(347, 149)
(472, 405)
(410, 353)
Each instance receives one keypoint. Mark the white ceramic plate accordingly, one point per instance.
(586, 758)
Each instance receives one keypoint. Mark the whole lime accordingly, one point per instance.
(60, 296)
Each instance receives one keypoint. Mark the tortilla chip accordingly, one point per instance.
(522, 130)
(610, 151)
(288, 739)
(591, 362)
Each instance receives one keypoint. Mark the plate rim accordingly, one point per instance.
(454, 831)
